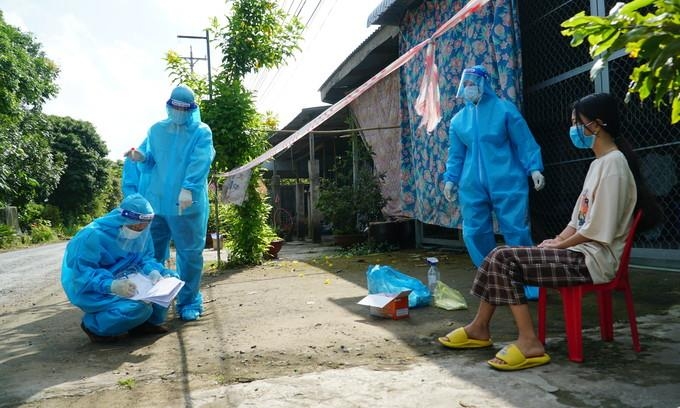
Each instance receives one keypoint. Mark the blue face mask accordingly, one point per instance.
(579, 138)
(471, 93)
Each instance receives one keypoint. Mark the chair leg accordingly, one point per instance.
(571, 301)
(632, 319)
(542, 306)
(604, 302)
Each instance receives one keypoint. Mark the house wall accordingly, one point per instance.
(534, 65)
(379, 107)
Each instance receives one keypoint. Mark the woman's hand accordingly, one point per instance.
(550, 243)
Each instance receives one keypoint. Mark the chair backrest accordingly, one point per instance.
(622, 272)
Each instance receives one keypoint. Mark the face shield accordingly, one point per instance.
(134, 234)
(181, 113)
(471, 85)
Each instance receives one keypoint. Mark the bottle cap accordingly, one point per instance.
(432, 260)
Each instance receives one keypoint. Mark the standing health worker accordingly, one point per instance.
(173, 164)
(492, 153)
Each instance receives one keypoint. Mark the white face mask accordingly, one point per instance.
(471, 93)
(127, 233)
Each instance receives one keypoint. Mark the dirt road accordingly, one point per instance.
(290, 334)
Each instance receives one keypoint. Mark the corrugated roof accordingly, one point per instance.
(374, 54)
(390, 12)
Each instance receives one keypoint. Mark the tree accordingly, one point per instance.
(26, 75)
(181, 72)
(86, 175)
(112, 193)
(28, 169)
(257, 35)
(649, 31)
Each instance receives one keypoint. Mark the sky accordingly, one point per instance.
(110, 56)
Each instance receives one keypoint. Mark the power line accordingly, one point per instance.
(313, 13)
(262, 76)
(299, 10)
(266, 90)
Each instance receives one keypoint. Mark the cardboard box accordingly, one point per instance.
(390, 305)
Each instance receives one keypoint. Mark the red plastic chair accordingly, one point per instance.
(571, 303)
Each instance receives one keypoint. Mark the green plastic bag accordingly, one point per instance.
(448, 298)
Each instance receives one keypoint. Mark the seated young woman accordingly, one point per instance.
(587, 250)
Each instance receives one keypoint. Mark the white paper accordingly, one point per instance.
(162, 293)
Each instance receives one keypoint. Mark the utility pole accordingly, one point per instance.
(192, 60)
(206, 37)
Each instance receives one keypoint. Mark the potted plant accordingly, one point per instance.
(275, 243)
(351, 199)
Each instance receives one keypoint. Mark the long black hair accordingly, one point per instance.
(603, 106)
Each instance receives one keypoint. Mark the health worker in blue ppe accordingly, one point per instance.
(96, 262)
(492, 154)
(172, 167)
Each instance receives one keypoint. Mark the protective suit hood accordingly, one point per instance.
(182, 108)
(132, 210)
(476, 75)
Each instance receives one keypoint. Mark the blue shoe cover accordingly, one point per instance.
(189, 315)
(531, 292)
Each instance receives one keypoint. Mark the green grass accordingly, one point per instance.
(128, 383)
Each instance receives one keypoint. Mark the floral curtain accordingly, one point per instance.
(489, 37)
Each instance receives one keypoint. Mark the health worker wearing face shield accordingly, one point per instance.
(492, 153)
(171, 171)
(96, 262)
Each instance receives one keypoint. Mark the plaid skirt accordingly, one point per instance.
(501, 278)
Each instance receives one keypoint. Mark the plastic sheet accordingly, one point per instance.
(446, 297)
(385, 279)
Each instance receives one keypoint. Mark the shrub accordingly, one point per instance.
(41, 231)
(351, 203)
(29, 214)
(7, 236)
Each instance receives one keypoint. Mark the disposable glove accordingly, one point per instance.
(449, 190)
(123, 288)
(185, 200)
(135, 155)
(155, 276)
(539, 180)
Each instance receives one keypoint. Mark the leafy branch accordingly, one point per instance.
(651, 37)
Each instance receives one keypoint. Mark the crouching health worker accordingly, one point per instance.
(588, 249)
(94, 269)
(492, 153)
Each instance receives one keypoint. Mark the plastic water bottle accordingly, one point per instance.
(432, 274)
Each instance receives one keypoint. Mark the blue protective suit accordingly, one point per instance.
(491, 155)
(178, 156)
(130, 182)
(95, 257)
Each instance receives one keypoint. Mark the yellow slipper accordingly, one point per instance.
(515, 360)
(458, 339)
